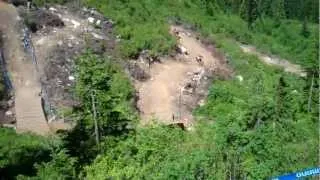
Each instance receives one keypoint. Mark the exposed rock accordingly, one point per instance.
(201, 102)
(75, 23)
(53, 9)
(71, 78)
(182, 50)
(10, 103)
(91, 20)
(60, 43)
(9, 113)
(19, 18)
(98, 22)
(97, 36)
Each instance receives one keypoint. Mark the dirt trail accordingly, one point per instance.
(286, 65)
(28, 109)
(161, 97)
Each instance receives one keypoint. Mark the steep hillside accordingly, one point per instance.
(253, 117)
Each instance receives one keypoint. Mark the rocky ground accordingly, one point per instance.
(57, 47)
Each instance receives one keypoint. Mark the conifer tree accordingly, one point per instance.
(278, 11)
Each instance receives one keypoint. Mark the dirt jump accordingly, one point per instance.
(178, 84)
(28, 108)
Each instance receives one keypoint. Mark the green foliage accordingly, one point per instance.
(305, 32)
(60, 167)
(260, 118)
(255, 122)
(19, 153)
(251, 12)
(112, 89)
(113, 93)
(143, 24)
(278, 11)
(254, 129)
(156, 153)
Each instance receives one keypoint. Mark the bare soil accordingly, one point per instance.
(272, 60)
(28, 109)
(179, 84)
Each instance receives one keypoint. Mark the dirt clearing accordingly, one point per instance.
(179, 84)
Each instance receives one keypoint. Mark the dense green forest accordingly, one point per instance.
(265, 126)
